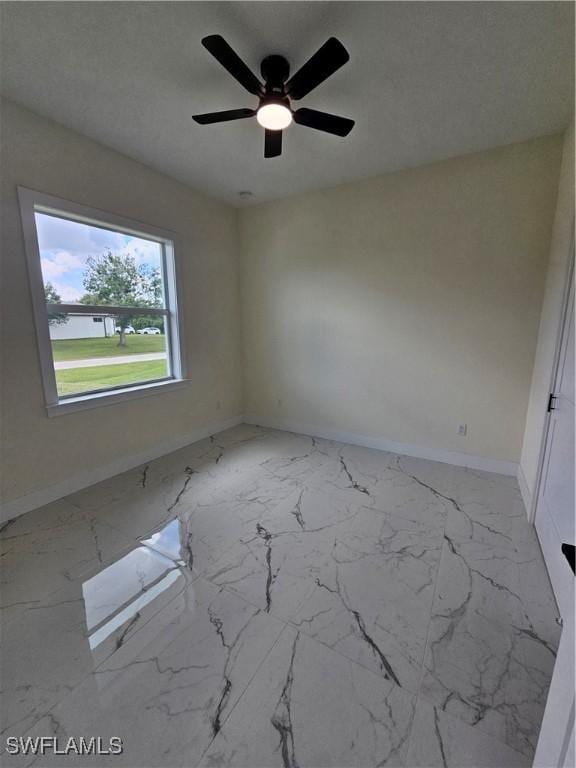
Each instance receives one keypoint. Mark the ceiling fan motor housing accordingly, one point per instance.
(275, 71)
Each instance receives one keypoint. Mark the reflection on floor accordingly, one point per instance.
(262, 598)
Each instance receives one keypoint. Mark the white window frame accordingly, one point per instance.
(32, 202)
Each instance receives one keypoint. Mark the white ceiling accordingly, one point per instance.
(425, 81)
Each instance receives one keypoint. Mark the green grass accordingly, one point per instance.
(82, 349)
(80, 380)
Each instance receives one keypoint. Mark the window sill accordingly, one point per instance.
(86, 402)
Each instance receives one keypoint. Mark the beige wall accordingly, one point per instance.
(549, 321)
(397, 307)
(403, 306)
(38, 451)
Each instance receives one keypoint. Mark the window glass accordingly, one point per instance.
(106, 303)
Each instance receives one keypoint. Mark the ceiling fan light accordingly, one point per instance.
(274, 117)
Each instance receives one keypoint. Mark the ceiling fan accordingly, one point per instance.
(274, 111)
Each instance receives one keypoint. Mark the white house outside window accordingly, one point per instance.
(105, 303)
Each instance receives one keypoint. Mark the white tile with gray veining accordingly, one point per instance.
(53, 643)
(263, 598)
(492, 676)
(49, 548)
(310, 706)
(373, 595)
(441, 740)
(167, 690)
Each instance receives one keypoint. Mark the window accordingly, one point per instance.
(105, 303)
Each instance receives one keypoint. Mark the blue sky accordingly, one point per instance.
(65, 246)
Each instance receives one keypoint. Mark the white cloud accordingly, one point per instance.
(65, 247)
(77, 237)
(59, 263)
(67, 293)
(143, 251)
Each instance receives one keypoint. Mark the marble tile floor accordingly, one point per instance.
(262, 598)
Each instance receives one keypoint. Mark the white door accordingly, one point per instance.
(555, 526)
(555, 510)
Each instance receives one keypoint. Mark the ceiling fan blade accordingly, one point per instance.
(327, 59)
(272, 143)
(322, 121)
(230, 60)
(222, 117)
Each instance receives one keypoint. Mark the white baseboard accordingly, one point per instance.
(39, 498)
(57, 491)
(498, 466)
(525, 491)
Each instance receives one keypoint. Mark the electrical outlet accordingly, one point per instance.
(218, 405)
(463, 429)
(279, 403)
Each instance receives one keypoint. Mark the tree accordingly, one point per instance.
(115, 279)
(147, 321)
(53, 297)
